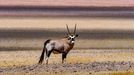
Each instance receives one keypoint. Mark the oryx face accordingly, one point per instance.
(71, 37)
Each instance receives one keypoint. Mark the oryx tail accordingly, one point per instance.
(44, 49)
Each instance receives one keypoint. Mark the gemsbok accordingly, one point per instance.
(62, 46)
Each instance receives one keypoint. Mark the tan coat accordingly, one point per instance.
(60, 46)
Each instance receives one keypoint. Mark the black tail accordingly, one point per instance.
(42, 55)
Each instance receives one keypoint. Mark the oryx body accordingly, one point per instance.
(62, 46)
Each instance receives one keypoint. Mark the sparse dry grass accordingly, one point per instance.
(18, 58)
(116, 73)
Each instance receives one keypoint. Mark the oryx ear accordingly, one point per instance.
(76, 35)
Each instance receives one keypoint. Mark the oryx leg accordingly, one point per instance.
(64, 55)
(48, 53)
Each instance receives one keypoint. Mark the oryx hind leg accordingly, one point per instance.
(48, 55)
(49, 50)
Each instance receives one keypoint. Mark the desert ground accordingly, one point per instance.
(87, 62)
(104, 46)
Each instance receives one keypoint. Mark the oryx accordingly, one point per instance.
(62, 46)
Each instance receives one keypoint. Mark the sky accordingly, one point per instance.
(84, 3)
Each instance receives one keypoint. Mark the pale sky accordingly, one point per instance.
(106, 3)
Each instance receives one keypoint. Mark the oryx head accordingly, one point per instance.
(71, 36)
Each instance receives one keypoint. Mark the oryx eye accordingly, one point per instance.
(69, 38)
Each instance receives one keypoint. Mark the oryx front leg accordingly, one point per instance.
(64, 55)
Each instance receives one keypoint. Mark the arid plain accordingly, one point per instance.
(105, 46)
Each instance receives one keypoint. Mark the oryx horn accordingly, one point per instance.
(75, 29)
(68, 29)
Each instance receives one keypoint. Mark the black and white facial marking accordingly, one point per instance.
(71, 38)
